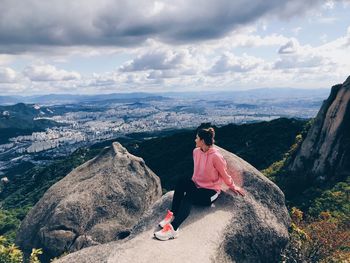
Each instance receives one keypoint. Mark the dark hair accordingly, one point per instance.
(207, 135)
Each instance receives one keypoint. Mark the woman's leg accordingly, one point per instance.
(182, 186)
(194, 195)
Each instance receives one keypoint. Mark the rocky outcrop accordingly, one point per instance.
(325, 152)
(253, 228)
(97, 202)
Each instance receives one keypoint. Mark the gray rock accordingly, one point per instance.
(326, 148)
(253, 228)
(97, 202)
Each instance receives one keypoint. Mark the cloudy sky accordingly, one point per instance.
(105, 46)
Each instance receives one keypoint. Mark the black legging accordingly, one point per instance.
(186, 194)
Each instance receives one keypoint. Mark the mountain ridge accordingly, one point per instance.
(262, 93)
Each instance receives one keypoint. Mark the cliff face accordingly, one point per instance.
(253, 228)
(325, 152)
(97, 202)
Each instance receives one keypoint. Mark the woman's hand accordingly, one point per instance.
(237, 190)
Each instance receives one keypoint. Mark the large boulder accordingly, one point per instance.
(253, 228)
(325, 152)
(97, 202)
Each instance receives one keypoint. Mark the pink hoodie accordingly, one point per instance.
(210, 169)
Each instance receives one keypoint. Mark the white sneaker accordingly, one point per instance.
(167, 233)
(168, 219)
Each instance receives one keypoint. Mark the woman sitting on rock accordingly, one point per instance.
(210, 169)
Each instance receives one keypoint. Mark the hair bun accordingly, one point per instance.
(207, 135)
(212, 131)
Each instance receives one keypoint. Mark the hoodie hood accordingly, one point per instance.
(210, 151)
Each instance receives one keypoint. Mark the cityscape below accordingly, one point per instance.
(87, 122)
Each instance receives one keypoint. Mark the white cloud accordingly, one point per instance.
(300, 62)
(296, 30)
(301, 58)
(329, 4)
(327, 20)
(231, 63)
(155, 59)
(347, 37)
(106, 79)
(245, 39)
(257, 41)
(158, 62)
(290, 47)
(7, 75)
(340, 43)
(45, 72)
(6, 59)
(13, 89)
(161, 74)
(309, 65)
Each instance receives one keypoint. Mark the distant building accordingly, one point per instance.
(5, 180)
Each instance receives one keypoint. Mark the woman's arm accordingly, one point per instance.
(221, 166)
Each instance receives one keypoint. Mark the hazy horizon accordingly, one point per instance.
(179, 92)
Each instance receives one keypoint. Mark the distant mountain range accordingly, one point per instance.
(72, 99)
(242, 96)
(253, 94)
